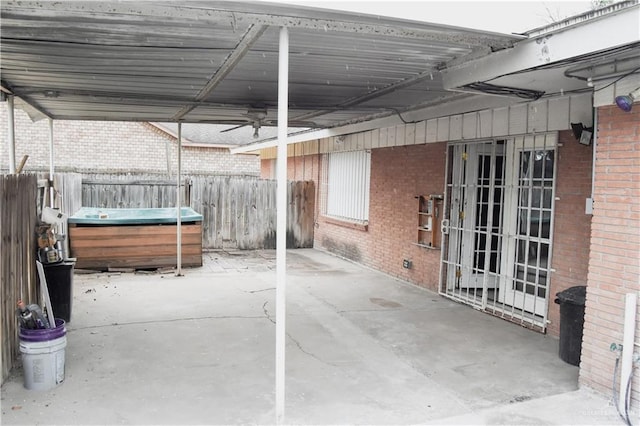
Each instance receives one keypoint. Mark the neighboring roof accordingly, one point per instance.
(216, 62)
(218, 135)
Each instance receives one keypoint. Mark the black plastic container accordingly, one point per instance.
(60, 282)
(571, 301)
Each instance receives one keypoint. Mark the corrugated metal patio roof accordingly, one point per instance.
(216, 62)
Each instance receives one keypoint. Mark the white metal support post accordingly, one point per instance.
(51, 189)
(281, 225)
(178, 205)
(11, 135)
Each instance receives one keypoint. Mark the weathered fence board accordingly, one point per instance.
(68, 188)
(302, 198)
(18, 216)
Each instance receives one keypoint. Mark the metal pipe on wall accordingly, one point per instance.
(167, 149)
(281, 223)
(51, 168)
(179, 205)
(11, 134)
(631, 301)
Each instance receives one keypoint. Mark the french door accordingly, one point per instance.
(498, 226)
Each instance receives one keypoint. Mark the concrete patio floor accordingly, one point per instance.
(363, 348)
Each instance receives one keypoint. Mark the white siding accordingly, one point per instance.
(545, 115)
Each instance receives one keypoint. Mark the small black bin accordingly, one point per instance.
(571, 303)
(60, 283)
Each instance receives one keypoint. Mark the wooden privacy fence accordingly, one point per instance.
(18, 217)
(238, 212)
(241, 212)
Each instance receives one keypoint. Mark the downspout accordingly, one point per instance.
(11, 135)
(179, 205)
(167, 149)
(593, 160)
(281, 228)
(626, 369)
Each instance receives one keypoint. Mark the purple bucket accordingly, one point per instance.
(43, 334)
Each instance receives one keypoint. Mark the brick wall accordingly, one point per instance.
(90, 146)
(398, 175)
(614, 262)
(572, 225)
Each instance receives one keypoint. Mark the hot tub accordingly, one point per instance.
(134, 238)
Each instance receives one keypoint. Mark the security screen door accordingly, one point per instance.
(498, 226)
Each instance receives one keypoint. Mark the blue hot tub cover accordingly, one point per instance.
(100, 216)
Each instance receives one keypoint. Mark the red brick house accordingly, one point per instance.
(494, 169)
(501, 207)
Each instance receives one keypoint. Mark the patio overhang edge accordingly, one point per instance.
(460, 104)
(546, 49)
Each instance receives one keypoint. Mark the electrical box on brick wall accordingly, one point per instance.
(429, 217)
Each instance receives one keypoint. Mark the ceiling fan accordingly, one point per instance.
(256, 117)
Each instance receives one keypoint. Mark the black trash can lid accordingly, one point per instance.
(573, 295)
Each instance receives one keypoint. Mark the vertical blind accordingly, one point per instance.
(348, 185)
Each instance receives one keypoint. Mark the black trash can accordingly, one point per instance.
(571, 303)
(60, 283)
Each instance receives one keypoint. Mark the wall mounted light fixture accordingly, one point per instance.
(625, 102)
(581, 133)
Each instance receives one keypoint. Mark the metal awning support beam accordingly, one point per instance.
(545, 49)
(51, 165)
(372, 94)
(281, 222)
(11, 134)
(179, 205)
(251, 36)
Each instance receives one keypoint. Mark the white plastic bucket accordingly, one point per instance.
(43, 363)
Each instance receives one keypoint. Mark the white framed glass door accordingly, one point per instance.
(475, 192)
(498, 226)
(525, 285)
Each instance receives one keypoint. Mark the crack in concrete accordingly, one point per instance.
(297, 343)
(266, 313)
(162, 321)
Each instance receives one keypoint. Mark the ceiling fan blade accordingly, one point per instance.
(234, 128)
(292, 123)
